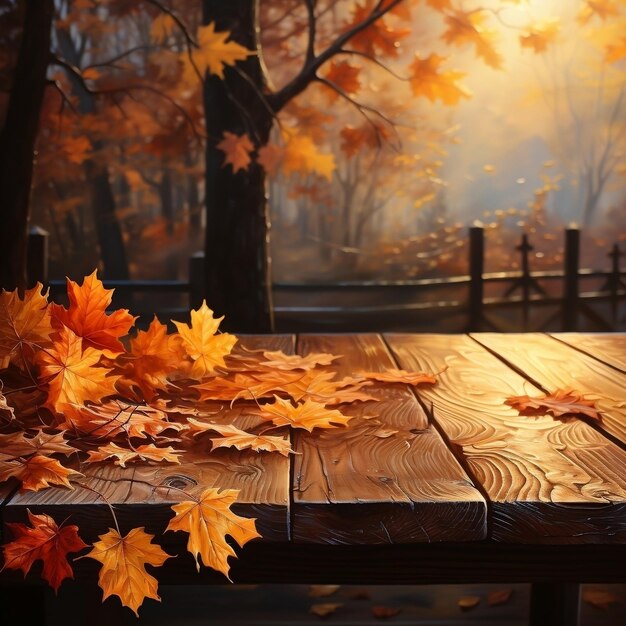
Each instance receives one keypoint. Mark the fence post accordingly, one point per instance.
(570, 277)
(476, 264)
(614, 281)
(524, 247)
(196, 279)
(37, 256)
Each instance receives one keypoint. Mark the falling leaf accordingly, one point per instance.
(384, 612)
(428, 81)
(208, 520)
(123, 572)
(270, 157)
(237, 149)
(467, 27)
(600, 599)
(87, 316)
(215, 52)
(72, 372)
(202, 344)
(465, 603)
(540, 35)
(377, 38)
(502, 596)
(147, 452)
(326, 609)
(24, 322)
(600, 8)
(302, 156)
(323, 591)
(162, 27)
(233, 437)
(401, 376)
(42, 540)
(307, 415)
(36, 473)
(561, 402)
(616, 52)
(369, 134)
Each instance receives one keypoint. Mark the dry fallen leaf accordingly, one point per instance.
(502, 596)
(307, 415)
(384, 612)
(121, 456)
(600, 599)
(560, 402)
(326, 609)
(36, 473)
(322, 591)
(465, 603)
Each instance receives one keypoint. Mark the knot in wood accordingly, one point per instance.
(179, 481)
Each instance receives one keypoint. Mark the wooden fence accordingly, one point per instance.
(524, 291)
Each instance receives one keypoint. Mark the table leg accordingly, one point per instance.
(556, 604)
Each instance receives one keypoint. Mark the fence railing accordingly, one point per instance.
(524, 290)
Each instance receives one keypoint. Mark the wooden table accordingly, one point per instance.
(464, 490)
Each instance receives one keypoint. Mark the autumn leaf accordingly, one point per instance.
(233, 437)
(384, 612)
(539, 36)
(379, 38)
(561, 402)
(280, 361)
(325, 609)
(428, 81)
(36, 473)
(72, 372)
(121, 456)
(214, 53)
(24, 322)
(87, 317)
(497, 598)
(344, 76)
(206, 349)
(597, 8)
(162, 27)
(17, 444)
(465, 603)
(237, 149)
(270, 157)
(467, 27)
(322, 591)
(123, 572)
(616, 52)
(42, 540)
(307, 415)
(208, 520)
(302, 156)
(400, 376)
(6, 411)
(355, 138)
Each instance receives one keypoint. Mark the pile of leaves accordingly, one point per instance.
(78, 393)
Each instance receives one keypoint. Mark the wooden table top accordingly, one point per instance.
(460, 467)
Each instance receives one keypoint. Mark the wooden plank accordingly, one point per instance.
(553, 365)
(351, 486)
(607, 347)
(143, 495)
(548, 481)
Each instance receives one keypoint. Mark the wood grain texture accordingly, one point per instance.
(351, 486)
(142, 495)
(548, 481)
(553, 365)
(607, 347)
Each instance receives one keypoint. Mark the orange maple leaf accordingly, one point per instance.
(123, 572)
(17, 444)
(615, 52)
(72, 372)
(36, 473)
(400, 376)
(42, 540)
(345, 76)
(539, 36)
(280, 361)
(237, 149)
(467, 27)
(24, 322)
(600, 8)
(208, 520)
(560, 402)
(353, 139)
(87, 317)
(233, 437)
(121, 456)
(377, 38)
(306, 415)
(428, 81)
(270, 157)
(302, 156)
(206, 349)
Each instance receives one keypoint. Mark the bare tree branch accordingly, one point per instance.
(312, 19)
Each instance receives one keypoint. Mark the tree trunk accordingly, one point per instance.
(238, 283)
(17, 141)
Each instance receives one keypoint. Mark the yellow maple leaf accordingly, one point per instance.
(616, 52)
(208, 520)
(467, 27)
(237, 149)
(72, 372)
(123, 572)
(36, 473)
(206, 349)
(428, 81)
(214, 52)
(24, 322)
(121, 456)
(307, 415)
(540, 35)
(302, 156)
(600, 8)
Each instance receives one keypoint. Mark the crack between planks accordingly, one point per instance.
(586, 353)
(454, 449)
